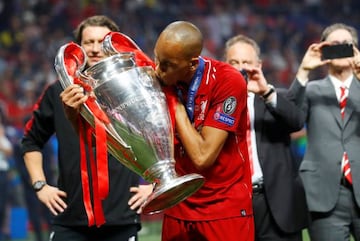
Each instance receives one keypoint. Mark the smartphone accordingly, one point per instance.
(337, 51)
(245, 75)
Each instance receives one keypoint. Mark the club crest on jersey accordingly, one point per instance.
(202, 110)
(229, 105)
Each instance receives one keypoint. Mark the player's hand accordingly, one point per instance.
(53, 198)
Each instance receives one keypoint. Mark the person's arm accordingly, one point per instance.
(258, 84)
(5, 145)
(37, 132)
(281, 105)
(141, 193)
(286, 112)
(202, 147)
(51, 196)
(311, 60)
(34, 162)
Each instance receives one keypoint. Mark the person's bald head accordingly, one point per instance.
(177, 52)
(185, 36)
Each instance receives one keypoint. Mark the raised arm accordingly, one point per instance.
(311, 60)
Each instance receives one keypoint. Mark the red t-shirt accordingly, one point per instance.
(220, 102)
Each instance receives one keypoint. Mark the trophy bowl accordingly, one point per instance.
(140, 133)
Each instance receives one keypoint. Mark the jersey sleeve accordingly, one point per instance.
(229, 101)
(39, 128)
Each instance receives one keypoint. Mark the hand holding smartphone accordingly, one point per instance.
(337, 51)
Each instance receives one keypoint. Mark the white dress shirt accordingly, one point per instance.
(257, 172)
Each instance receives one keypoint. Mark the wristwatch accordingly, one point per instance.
(269, 92)
(38, 185)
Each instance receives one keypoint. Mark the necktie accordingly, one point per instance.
(345, 164)
(248, 141)
(343, 99)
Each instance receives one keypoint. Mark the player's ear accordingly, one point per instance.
(194, 63)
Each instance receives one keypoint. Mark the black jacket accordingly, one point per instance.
(284, 191)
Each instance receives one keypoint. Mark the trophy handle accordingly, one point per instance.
(69, 62)
(115, 42)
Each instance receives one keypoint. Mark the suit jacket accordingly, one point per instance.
(328, 137)
(283, 188)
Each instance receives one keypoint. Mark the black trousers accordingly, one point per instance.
(103, 233)
(266, 228)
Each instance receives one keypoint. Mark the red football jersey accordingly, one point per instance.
(220, 102)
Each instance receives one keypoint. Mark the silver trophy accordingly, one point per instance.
(139, 134)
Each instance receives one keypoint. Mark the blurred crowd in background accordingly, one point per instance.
(31, 32)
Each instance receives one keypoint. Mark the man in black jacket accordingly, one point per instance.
(279, 204)
(66, 200)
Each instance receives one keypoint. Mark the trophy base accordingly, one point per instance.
(173, 192)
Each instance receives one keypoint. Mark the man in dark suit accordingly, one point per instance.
(279, 204)
(331, 165)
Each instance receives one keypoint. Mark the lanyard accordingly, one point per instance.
(193, 88)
